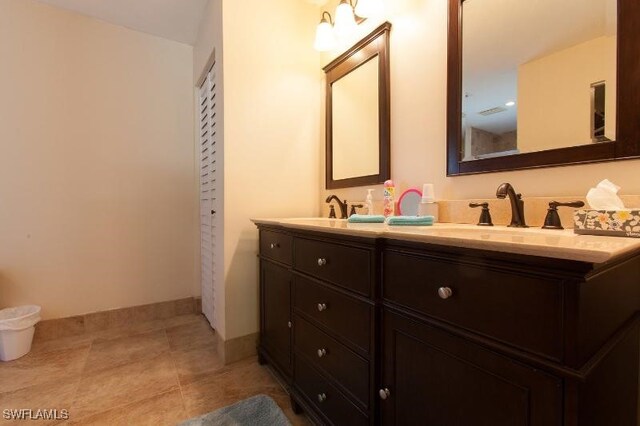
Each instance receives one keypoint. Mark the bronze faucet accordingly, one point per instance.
(517, 205)
(341, 204)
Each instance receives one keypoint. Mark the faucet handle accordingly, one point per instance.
(574, 204)
(552, 221)
(485, 215)
(354, 207)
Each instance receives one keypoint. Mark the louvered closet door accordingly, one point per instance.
(209, 200)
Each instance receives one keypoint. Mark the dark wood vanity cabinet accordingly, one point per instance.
(401, 333)
(323, 289)
(276, 324)
(334, 311)
(435, 378)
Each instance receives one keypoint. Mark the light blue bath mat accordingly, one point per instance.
(259, 410)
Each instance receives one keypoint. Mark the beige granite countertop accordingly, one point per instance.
(562, 244)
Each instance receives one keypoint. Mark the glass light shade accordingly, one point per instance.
(345, 20)
(369, 8)
(325, 39)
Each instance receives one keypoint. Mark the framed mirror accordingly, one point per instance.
(357, 114)
(542, 83)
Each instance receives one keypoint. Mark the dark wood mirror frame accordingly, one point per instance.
(626, 146)
(374, 44)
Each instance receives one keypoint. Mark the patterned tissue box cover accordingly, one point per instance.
(617, 223)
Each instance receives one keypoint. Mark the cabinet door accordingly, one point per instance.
(276, 314)
(437, 379)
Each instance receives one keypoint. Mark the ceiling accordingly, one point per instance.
(176, 20)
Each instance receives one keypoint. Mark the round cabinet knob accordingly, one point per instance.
(274, 246)
(384, 393)
(322, 352)
(445, 292)
(289, 324)
(322, 307)
(322, 261)
(322, 397)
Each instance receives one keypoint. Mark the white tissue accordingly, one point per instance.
(605, 196)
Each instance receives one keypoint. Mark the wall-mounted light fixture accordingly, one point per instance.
(325, 39)
(345, 23)
(369, 8)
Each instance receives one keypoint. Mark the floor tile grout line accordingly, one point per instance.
(92, 342)
(111, 341)
(125, 405)
(12, 365)
(80, 378)
(129, 403)
(136, 401)
(128, 336)
(175, 369)
(86, 359)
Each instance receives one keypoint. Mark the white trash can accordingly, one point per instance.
(17, 326)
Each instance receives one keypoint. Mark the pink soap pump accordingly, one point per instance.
(389, 192)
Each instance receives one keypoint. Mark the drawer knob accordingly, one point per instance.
(322, 307)
(274, 246)
(384, 393)
(289, 324)
(445, 292)
(322, 261)
(322, 352)
(322, 397)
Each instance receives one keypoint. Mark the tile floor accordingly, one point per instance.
(155, 373)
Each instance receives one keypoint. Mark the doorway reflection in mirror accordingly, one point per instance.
(537, 75)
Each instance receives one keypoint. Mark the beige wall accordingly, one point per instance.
(272, 89)
(418, 114)
(554, 95)
(96, 167)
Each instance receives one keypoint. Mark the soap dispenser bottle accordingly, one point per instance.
(369, 202)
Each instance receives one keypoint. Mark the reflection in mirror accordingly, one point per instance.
(537, 75)
(355, 122)
(357, 113)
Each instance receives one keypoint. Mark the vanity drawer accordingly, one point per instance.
(345, 266)
(345, 316)
(332, 357)
(276, 246)
(325, 397)
(520, 310)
